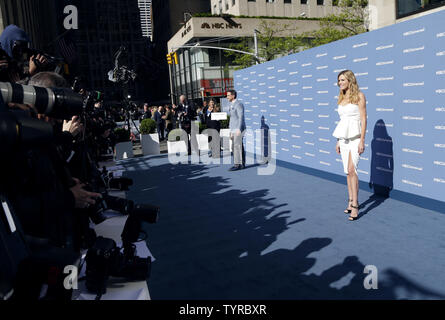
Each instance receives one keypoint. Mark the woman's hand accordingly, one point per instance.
(337, 148)
(361, 147)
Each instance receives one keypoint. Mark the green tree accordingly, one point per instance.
(351, 20)
(273, 41)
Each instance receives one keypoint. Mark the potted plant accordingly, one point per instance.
(225, 123)
(124, 147)
(149, 137)
(202, 127)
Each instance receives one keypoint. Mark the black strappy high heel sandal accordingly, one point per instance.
(354, 218)
(348, 211)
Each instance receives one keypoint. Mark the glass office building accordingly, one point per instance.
(410, 7)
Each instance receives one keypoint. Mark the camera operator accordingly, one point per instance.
(15, 44)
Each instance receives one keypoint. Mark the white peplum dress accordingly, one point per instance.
(348, 131)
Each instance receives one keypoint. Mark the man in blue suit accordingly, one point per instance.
(237, 126)
(160, 122)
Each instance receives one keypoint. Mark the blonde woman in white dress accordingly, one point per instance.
(350, 133)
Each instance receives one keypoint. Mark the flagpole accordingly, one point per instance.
(57, 38)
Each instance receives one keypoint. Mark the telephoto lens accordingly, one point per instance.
(132, 267)
(121, 183)
(146, 212)
(59, 103)
(17, 129)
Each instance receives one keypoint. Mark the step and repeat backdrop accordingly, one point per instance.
(401, 71)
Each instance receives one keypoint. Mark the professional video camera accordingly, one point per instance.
(121, 73)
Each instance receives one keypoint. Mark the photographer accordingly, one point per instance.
(43, 155)
(42, 190)
(187, 113)
(168, 120)
(159, 117)
(147, 113)
(14, 64)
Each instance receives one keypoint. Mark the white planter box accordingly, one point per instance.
(226, 134)
(177, 147)
(150, 144)
(203, 143)
(123, 150)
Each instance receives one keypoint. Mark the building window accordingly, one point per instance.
(406, 8)
(251, 0)
(320, 2)
(287, 1)
(227, 6)
(303, 1)
(233, 2)
(335, 2)
(270, 1)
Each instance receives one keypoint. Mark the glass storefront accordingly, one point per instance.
(409, 7)
(202, 72)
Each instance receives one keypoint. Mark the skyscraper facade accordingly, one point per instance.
(145, 12)
(105, 26)
(168, 17)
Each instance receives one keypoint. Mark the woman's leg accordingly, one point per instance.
(345, 154)
(348, 180)
(353, 182)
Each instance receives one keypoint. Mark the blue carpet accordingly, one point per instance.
(238, 235)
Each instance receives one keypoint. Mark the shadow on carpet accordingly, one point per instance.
(210, 239)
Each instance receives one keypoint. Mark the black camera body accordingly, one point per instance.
(51, 61)
(143, 212)
(105, 259)
(4, 57)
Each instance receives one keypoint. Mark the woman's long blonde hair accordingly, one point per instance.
(353, 87)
